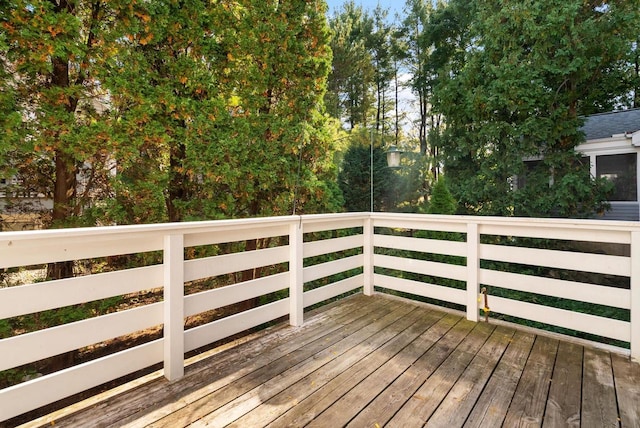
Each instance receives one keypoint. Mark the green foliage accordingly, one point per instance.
(417, 58)
(355, 180)
(152, 111)
(442, 202)
(54, 317)
(5, 329)
(513, 84)
(350, 82)
(53, 56)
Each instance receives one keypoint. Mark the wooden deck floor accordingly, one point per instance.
(373, 361)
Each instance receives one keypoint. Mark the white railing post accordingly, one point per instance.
(473, 269)
(173, 307)
(296, 282)
(635, 295)
(367, 252)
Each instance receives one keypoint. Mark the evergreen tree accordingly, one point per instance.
(355, 176)
(442, 201)
(274, 79)
(530, 71)
(167, 111)
(166, 97)
(415, 26)
(349, 96)
(55, 62)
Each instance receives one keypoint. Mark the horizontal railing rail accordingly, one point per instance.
(581, 277)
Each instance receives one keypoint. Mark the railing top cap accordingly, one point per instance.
(213, 225)
(179, 228)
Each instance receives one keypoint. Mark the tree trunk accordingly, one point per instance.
(177, 182)
(65, 182)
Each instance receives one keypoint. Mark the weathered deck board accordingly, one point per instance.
(373, 361)
(599, 407)
(428, 397)
(456, 406)
(528, 403)
(316, 403)
(395, 395)
(388, 342)
(146, 405)
(357, 343)
(627, 378)
(350, 404)
(563, 404)
(217, 400)
(493, 404)
(167, 396)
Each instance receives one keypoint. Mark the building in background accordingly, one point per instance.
(613, 145)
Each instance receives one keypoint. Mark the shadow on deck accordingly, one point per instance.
(375, 361)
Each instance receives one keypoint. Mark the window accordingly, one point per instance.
(622, 171)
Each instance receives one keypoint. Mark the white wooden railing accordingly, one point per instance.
(380, 264)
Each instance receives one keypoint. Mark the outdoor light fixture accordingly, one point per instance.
(393, 157)
(393, 161)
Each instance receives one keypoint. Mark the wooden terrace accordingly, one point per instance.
(379, 361)
(367, 360)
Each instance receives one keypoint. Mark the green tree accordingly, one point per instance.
(415, 25)
(276, 142)
(349, 94)
(53, 54)
(166, 98)
(167, 111)
(355, 176)
(531, 71)
(442, 201)
(379, 44)
(55, 62)
(633, 75)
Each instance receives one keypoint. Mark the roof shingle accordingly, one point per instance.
(604, 125)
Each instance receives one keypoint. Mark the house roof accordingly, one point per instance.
(604, 125)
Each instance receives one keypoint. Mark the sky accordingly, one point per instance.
(392, 5)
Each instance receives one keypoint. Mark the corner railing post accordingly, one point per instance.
(473, 268)
(173, 307)
(367, 252)
(296, 281)
(635, 295)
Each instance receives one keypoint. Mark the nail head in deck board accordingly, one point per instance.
(335, 390)
(563, 404)
(398, 337)
(492, 406)
(211, 405)
(356, 399)
(599, 406)
(627, 379)
(417, 410)
(456, 406)
(529, 401)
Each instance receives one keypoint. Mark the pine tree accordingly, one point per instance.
(442, 201)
